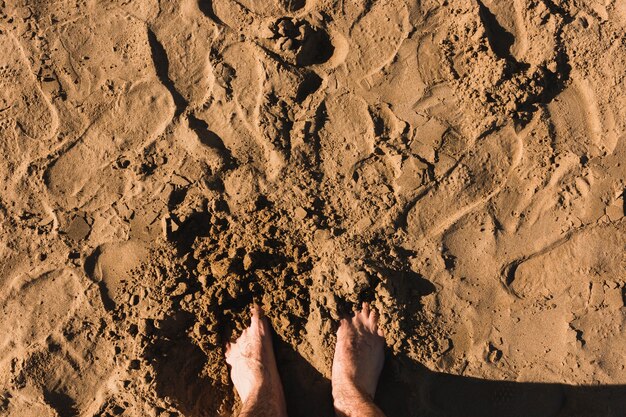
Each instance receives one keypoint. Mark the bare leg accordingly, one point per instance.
(357, 365)
(254, 372)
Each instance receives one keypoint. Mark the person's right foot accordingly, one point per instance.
(358, 359)
(253, 366)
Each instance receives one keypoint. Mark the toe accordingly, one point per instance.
(229, 352)
(256, 310)
(257, 315)
(366, 310)
(358, 320)
(343, 325)
(373, 321)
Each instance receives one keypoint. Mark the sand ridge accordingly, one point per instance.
(460, 165)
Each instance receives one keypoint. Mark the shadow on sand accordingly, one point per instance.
(408, 389)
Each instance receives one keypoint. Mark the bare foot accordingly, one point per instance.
(358, 361)
(254, 372)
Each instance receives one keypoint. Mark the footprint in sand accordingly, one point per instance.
(110, 265)
(348, 135)
(97, 56)
(477, 176)
(54, 347)
(375, 38)
(28, 124)
(544, 272)
(179, 48)
(578, 123)
(99, 61)
(242, 74)
(37, 308)
(84, 173)
(24, 110)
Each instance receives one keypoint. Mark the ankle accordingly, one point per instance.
(255, 391)
(348, 399)
(264, 400)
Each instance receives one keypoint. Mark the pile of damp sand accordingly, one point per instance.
(458, 164)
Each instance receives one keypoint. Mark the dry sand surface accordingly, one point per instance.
(461, 164)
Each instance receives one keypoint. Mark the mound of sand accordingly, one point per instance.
(460, 165)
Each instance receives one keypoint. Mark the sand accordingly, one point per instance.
(459, 164)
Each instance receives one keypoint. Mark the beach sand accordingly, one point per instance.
(459, 164)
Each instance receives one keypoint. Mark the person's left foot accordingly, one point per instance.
(359, 358)
(254, 372)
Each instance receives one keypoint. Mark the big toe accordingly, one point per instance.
(372, 322)
(230, 353)
(367, 319)
(257, 311)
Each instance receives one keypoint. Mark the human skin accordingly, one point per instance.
(254, 372)
(357, 364)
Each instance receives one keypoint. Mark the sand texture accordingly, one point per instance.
(460, 164)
